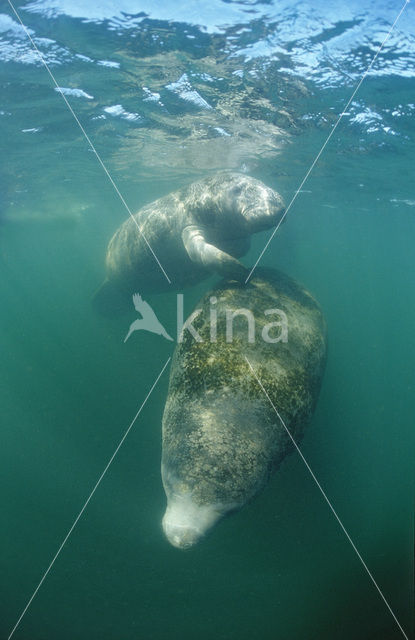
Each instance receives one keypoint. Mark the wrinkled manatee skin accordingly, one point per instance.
(221, 437)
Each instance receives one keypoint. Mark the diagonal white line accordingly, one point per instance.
(327, 140)
(326, 499)
(42, 59)
(88, 499)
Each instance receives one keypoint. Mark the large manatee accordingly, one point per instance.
(201, 228)
(221, 435)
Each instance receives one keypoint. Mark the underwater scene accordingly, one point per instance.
(207, 304)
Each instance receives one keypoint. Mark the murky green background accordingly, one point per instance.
(282, 567)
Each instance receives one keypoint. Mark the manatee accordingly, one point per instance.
(200, 229)
(222, 438)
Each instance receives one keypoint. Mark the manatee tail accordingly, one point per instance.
(110, 299)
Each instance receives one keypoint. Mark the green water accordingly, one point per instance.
(282, 567)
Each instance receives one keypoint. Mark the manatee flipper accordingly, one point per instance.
(207, 255)
(110, 299)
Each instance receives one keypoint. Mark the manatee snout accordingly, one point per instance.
(185, 523)
(180, 536)
(263, 209)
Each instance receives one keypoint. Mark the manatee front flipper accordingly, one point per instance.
(209, 256)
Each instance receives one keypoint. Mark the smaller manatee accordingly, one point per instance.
(200, 229)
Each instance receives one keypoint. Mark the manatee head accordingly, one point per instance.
(261, 206)
(256, 205)
(187, 518)
(236, 204)
(185, 522)
(215, 451)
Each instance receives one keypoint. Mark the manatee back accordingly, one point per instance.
(221, 436)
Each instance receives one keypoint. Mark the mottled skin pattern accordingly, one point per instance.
(201, 228)
(221, 437)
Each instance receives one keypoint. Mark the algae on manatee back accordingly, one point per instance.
(221, 437)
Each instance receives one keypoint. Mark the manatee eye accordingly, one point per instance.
(236, 190)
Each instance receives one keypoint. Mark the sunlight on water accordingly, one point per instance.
(170, 93)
